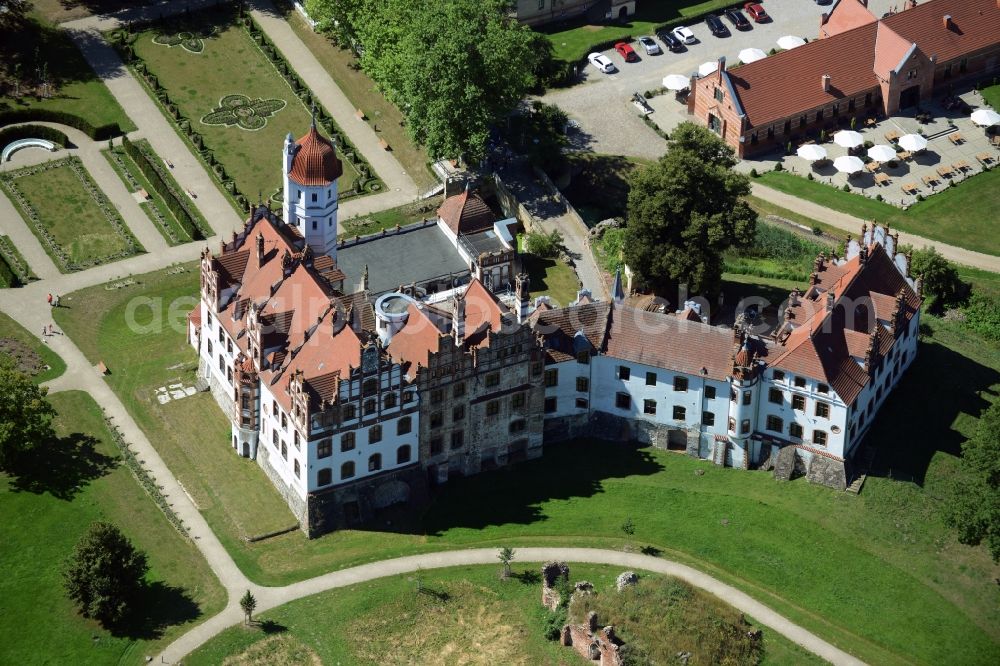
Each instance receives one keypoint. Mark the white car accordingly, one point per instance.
(601, 62)
(652, 48)
(684, 34)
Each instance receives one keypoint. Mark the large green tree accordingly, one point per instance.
(453, 67)
(105, 575)
(940, 278)
(25, 414)
(974, 507)
(684, 211)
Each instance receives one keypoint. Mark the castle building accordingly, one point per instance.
(860, 67)
(355, 398)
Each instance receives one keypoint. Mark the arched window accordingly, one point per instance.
(347, 470)
(374, 462)
(389, 401)
(403, 454)
(324, 477)
(404, 425)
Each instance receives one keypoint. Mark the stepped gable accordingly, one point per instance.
(466, 213)
(667, 341)
(831, 344)
(315, 161)
(558, 328)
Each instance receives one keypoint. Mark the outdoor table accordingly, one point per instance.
(871, 122)
(984, 157)
(873, 166)
(944, 171)
(929, 181)
(904, 155)
(892, 136)
(956, 138)
(882, 179)
(910, 188)
(961, 165)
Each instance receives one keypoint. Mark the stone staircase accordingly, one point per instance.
(864, 463)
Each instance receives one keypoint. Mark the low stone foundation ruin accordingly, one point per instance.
(552, 574)
(593, 644)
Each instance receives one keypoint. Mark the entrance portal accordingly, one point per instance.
(909, 97)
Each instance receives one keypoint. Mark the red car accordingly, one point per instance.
(626, 51)
(756, 12)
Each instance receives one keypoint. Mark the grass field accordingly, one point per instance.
(81, 228)
(231, 63)
(385, 118)
(45, 510)
(573, 43)
(76, 87)
(991, 96)
(550, 277)
(960, 215)
(465, 615)
(10, 329)
(860, 571)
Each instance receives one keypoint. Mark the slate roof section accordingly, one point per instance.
(414, 254)
(466, 213)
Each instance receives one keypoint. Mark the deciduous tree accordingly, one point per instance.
(25, 414)
(248, 603)
(684, 211)
(974, 507)
(105, 575)
(506, 556)
(940, 278)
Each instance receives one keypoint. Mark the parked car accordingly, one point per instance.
(684, 34)
(626, 52)
(739, 21)
(651, 47)
(716, 27)
(670, 41)
(756, 12)
(601, 62)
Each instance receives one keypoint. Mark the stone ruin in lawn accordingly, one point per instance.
(594, 644)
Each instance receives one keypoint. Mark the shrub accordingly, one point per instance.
(822, 136)
(753, 173)
(543, 245)
(846, 187)
(648, 94)
(170, 197)
(982, 315)
(788, 148)
(809, 176)
(553, 623)
(920, 197)
(878, 197)
(868, 144)
(779, 167)
(10, 134)
(7, 276)
(854, 123)
(98, 133)
(817, 231)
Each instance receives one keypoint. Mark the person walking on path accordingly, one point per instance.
(55, 301)
(50, 299)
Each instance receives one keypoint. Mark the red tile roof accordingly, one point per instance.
(975, 25)
(558, 328)
(845, 15)
(890, 49)
(315, 162)
(466, 213)
(419, 336)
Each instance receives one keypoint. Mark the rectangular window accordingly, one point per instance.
(437, 395)
(745, 427)
(436, 420)
(795, 430)
(582, 384)
(624, 373)
(779, 376)
(775, 396)
(298, 471)
(650, 379)
(493, 379)
(349, 412)
(732, 425)
(284, 450)
(518, 400)
(347, 441)
(552, 377)
(457, 439)
(314, 222)
(680, 384)
(747, 397)
(819, 437)
(800, 382)
(649, 407)
(284, 422)
(550, 405)
(822, 410)
(709, 393)
(775, 424)
(458, 390)
(403, 426)
(518, 426)
(822, 388)
(583, 357)
(437, 445)
(680, 413)
(375, 434)
(581, 403)
(229, 375)
(798, 403)
(819, 115)
(802, 121)
(295, 440)
(324, 449)
(458, 413)
(209, 347)
(708, 418)
(314, 197)
(719, 95)
(536, 368)
(229, 346)
(623, 401)
(492, 408)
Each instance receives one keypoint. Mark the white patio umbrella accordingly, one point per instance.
(985, 117)
(706, 68)
(912, 142)
(790, 42)
(848, 138)
(882, 153)
(751, 55)
(811, 152)
(676, 82)
(848, 164)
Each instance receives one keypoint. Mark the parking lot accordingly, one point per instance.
(601, 103)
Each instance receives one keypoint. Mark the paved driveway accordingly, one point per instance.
(610, 123)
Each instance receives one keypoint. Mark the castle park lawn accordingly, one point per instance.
(860, 571)
(458, 612)
(44, 511)
(231, 63)
(12, 330)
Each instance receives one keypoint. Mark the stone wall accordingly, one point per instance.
(827, 472)
(356, 503)
(593, 644)
(292, 498)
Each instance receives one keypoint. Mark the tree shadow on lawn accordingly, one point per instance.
(62, 467)
(513, 495)
(161, 606)
(916, 420)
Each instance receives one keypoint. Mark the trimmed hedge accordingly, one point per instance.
(11, 134)
(99, 133)
(170, 197)
(7, 276)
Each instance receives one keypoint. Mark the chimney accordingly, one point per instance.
(521, 284)
(829, 301)
(458, 319)
(946, 20)
(823, 18)
(260, 249)
(722, 67)
(826, 83)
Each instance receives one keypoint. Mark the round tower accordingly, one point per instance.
(310, 169)
(745, 382)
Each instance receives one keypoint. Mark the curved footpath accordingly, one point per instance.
(270, 597)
